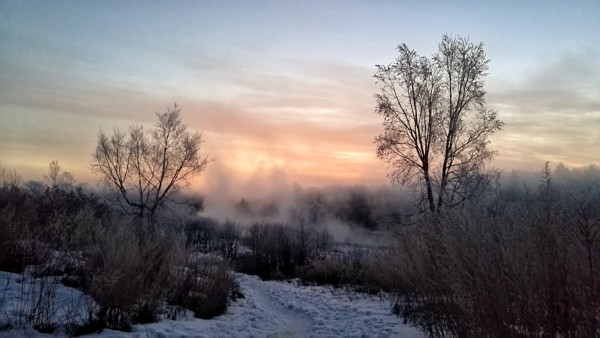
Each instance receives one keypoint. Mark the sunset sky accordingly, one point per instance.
(283, 90)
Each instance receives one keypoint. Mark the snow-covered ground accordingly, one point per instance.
(272, 309)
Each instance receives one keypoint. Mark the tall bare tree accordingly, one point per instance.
(146, 167)
(436, 123)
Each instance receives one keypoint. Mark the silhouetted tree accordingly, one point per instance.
(9, 177)
(53, 173)
(146, 167)
(436, 123)
(58, 178)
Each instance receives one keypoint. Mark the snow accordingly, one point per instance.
(19, 295)
(270, 309)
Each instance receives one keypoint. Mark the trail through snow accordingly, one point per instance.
(278, 309)
(317, 312)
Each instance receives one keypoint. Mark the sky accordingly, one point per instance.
(283, 90)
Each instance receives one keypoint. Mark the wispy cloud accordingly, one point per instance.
(313, 120)
(553, 113)
(283, 88)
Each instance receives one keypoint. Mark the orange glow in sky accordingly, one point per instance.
(283, 89)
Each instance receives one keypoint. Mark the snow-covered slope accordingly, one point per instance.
(279, 309)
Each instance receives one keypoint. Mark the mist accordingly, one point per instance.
(350, 212)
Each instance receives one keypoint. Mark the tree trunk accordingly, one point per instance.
(429, 191)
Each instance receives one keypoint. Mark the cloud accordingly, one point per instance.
(553, 114)
(313, 120)
(307, 149)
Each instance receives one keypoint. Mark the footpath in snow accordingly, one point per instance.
(278, 309)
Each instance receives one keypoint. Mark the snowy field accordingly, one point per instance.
(269, 309)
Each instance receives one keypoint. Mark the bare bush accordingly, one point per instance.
(9, 177)
(16, 238)
(205, 286)
(229, 236)
(128, 275)
(279, 249)
(33, 302)
(355, 272)
(201, 234)
(525, 269)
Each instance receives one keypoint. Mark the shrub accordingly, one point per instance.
(201, 234)
(511, 269)
(278, 249)
(16, 242)
(205, 286)
(357, 271)
(130, 267)
(229, 236)
(128, 275)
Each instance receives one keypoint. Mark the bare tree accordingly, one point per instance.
(436, 123)
(53, 173)
(58, 178)
(146, 167)
(9, 177)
